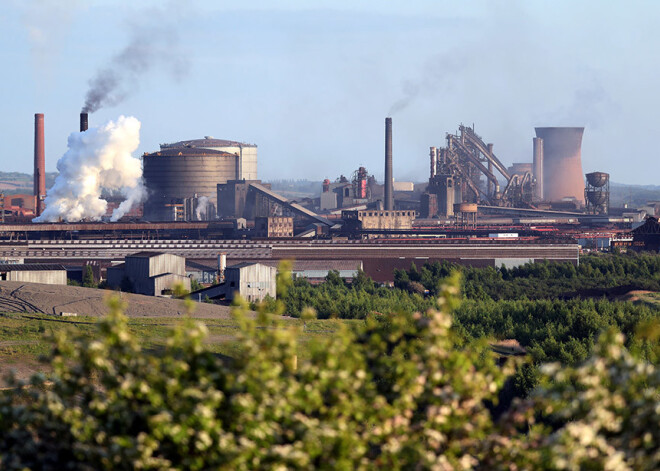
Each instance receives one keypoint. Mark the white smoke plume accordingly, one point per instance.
(202, 207)
(98, 160)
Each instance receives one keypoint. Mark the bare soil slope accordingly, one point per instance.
(16, 296)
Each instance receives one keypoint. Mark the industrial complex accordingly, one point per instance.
(204, 202)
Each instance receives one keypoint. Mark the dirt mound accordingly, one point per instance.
(16, 296)
(634, 295)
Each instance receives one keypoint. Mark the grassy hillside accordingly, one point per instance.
(12, 183)
(23, 337)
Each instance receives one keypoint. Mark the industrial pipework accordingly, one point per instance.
(389, 181)
(39, 163)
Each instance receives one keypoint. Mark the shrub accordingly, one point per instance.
(396, 392)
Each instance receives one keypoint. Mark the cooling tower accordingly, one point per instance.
(389, 181)
(562, 163)
(39, 163)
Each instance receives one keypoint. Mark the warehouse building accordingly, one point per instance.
(647, 236)
(252, 281)
(149, 273)
(49, 274)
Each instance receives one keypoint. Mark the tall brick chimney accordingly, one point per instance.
(39, 163)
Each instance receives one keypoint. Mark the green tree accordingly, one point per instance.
(195, 285)
(88, 277)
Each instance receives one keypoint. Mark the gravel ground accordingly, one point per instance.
(16, 296)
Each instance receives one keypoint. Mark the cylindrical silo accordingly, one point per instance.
(172, 175)
(562, 163)
(537, 167)
(192, 169)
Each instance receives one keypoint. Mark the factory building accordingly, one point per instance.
(150, 273)
(49, 274)
(277, 226)
(647, 236)
(252, 281)
(232, 198)
(378, 220)
(193, 169)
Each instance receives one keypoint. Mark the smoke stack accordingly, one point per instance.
(222, 265)
(39, 163)
(434, 161)
(84, 122)
(562, 163)
(537, 167)
(389, 181)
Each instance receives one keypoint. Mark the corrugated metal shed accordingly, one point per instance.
(51, 274)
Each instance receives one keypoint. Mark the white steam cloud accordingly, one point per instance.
(98, 160)
(202, 207)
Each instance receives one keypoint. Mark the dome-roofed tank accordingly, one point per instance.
(598, 179)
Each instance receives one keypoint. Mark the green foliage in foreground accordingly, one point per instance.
(396, 393)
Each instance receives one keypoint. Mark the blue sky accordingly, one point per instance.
(310, 82)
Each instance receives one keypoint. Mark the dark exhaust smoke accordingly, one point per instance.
(154, 43)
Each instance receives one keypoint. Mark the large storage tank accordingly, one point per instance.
(562, 163)
(189, 169)
(247, 153)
